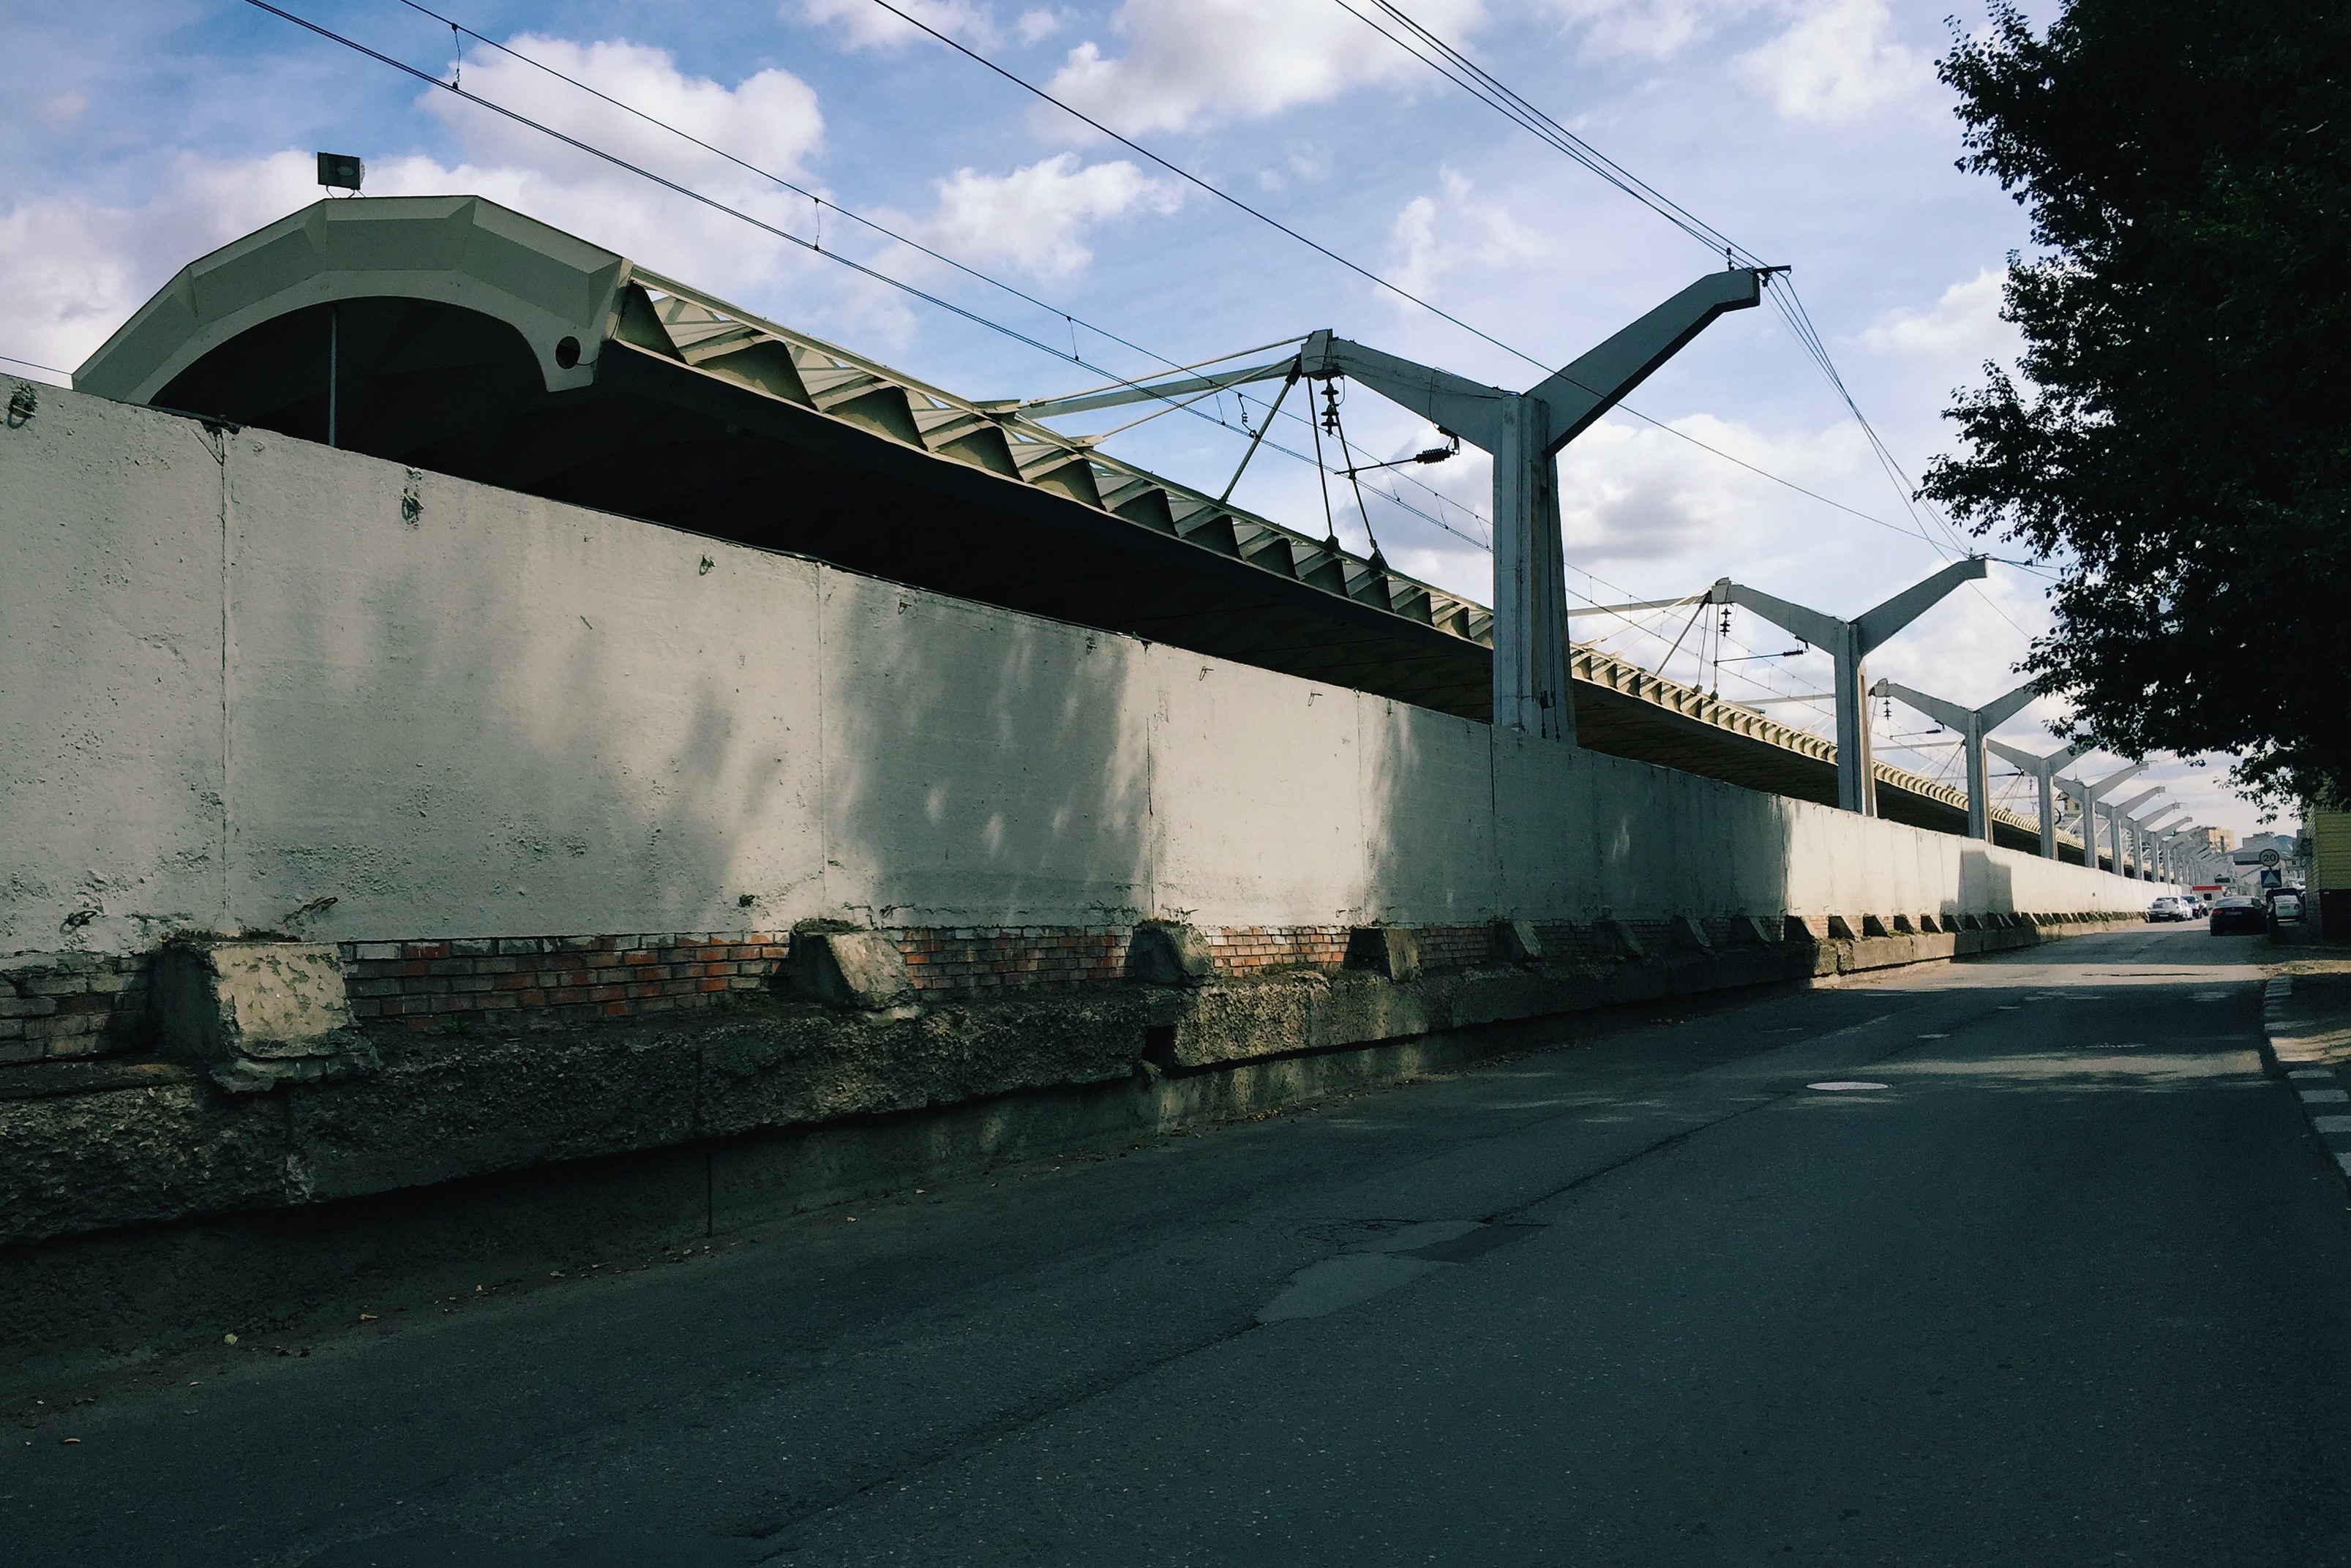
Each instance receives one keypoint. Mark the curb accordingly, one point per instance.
(2302, 1048)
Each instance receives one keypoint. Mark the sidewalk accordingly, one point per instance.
(2307, 1013)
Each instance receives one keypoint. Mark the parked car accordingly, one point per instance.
(2285, 903)
(2238, 914)
(2170, 906)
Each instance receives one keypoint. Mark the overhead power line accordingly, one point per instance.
(1465, 73)
(1068, 357)
(1362, 271)
(1071, 357)
(816, 199)
(1459, 68)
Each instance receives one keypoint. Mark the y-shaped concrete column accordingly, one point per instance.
(1849, 643)
(2150, 844)
(2089, 795)
(1524, 431)
(2042, 770)
(2119, 817)
(1974, 723)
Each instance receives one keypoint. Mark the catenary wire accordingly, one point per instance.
(892, 235)
(1459, 68)
(817, 198)
(1071, 357)
(1356, 268)
(1456, 67)
(819, 202)
(1789, 302)
(860, 267)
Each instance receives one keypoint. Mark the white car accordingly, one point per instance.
(2170, 907)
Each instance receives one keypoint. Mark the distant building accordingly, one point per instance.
(2288, 845)
(2218, 840)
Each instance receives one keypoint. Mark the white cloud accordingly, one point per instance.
(1200, 62)
(1834, 63)
(62, 109)
(1964, 324)
(1307, 163)
(1653, 29)
(1636, 493)
(771, 119)
(1035, 26)
(862, 25)
(1036, 217)
(72, 269)
(1434, 235)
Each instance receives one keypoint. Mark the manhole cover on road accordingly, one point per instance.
(1842, 1086)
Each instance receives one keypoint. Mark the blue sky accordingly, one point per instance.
(1812, 131)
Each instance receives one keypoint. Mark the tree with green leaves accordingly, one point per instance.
(2178, 437)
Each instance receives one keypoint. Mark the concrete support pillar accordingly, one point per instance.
(1856, 768)
(1974, 725)
(1530, 679)
(2129, 850)
(1523, 432)
(1848, 642)
(2091, 795)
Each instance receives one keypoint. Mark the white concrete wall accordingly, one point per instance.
(240, 679)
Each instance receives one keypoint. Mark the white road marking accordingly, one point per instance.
(2332, 1124)
(2311, 1072)
(2325, 1097)
(1934, 1037)
(1842, 1086)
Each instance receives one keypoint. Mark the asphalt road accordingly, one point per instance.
(2073, 1286)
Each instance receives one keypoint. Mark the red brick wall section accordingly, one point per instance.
(1047, 957)
(76, 1005)
(1252, 950)
(573, 979)
(1454, 946)
(55, 1005)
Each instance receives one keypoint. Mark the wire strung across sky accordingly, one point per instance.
(1456, 67)
(1073, 356)
(1362, 271)
(818, 203)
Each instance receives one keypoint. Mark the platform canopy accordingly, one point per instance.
(467, 338)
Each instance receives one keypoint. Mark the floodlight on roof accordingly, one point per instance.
(340, 170)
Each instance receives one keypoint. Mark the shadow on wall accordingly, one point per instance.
(473, 714)
(1428, 824)
(456, 711)
(981, 768)
(110, 676)
(1985, 885)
